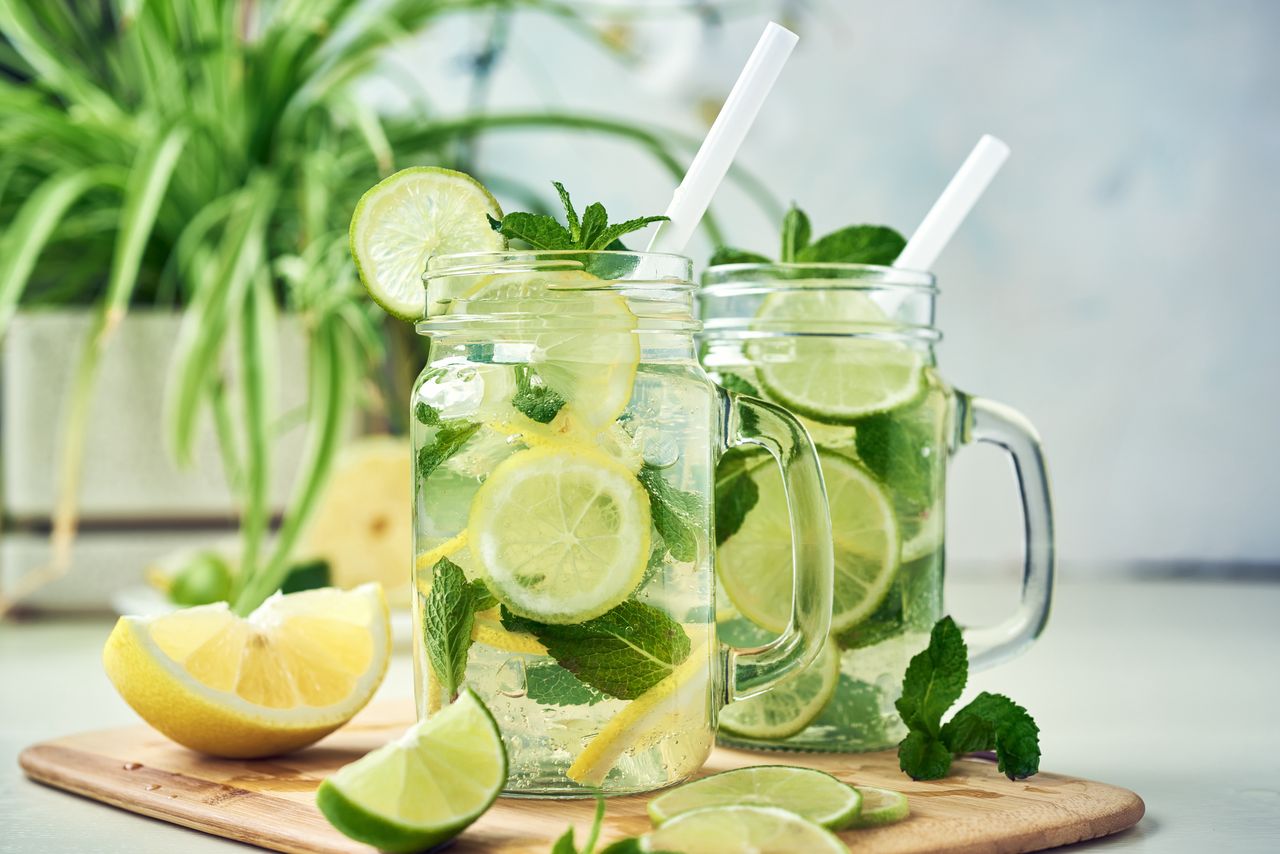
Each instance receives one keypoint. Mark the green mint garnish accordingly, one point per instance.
(552, 685)
(856, 244)
(449, 439)
(426, 414)
(565, 844)
(736, 490)
(447, 617)
(901, 450)
(676, 514)
(935, 679)
(623, 652)
(538, 402)
(591, 232)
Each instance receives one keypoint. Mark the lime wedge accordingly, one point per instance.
(858, 376)
(810, 794)
(583, 335)
(423, 788)
(409, 216)
(754, 563)
(676, 704)
(743, 830)
(880, 806)
(561, 533)
(789, 707)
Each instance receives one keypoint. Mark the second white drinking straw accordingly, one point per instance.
(712, 161)
(940, 224)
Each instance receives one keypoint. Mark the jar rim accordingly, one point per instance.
(829, 274)
(463, 263)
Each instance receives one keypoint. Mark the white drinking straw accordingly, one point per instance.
(723, 140)
(954, 204)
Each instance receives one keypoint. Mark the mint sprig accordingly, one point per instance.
(622, 653)
(629, 845)
(676, 514)
(590, 232)
(536, 401)
(551, 685)
(855, 244)
(447, 618)
(934, 680)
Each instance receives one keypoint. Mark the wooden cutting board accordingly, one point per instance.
(270, 803)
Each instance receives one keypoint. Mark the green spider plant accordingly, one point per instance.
(206, 156)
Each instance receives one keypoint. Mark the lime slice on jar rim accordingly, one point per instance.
(409, 216)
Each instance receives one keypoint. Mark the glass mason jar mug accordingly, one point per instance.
(565, 438)
(849, 349)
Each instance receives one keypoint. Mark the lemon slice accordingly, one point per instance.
(409, 216)
(561, 534)
(677, 704)
(790, 706)
(488, 630)
(582, 336)
(360, 527)
(754, 563)
(858, 376)
(742, 830)
(290, 673)
(423, 788)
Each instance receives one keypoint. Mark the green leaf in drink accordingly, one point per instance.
(623, 653)
(736, 490)
(448, 614)
(900, 448)
(537, 401)
(552, 685)
(449, 439)
(676, 514)
(426, 414)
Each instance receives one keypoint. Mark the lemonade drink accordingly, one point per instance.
(565, 439)
(818, 340)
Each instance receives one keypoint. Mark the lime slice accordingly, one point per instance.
(561, 533)
(789, 707)
(677, 704)
(583, 336)
(742, 830)
(810, 794)
(423, 788)
(858, 376)
(754, 563)
(880, 806)
(409, 216)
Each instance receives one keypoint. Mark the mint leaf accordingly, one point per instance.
(857, 244)
(736, 490)
(935, 679)
(738, 385)
(447, 617)
(570, 215)
(590, 233)
(623, 653)
(796, 233)
(538, 402)
(426, 414)
(729, 255)
(552, 685)
(537, 230)
(676, 514)
(901, 450)
(449, 439)
(481, 598)
(923, 756)
(994, 722)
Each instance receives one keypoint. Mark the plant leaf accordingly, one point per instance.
(796, 233)
(935, 679)
(857, 244)
(570, 215)
(729, 255)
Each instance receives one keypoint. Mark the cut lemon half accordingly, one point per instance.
(677, 704)
(290, 673)
(789, 706)
(561, 534)
(408, 217)
(807, 792)
(742, 830)
(833, 378)
(575, 333)
(755, 563)
(423, 788)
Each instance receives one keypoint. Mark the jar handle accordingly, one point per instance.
(750, 421)
(994, 423)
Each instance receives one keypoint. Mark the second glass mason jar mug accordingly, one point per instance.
(565, 441)
(850, 349)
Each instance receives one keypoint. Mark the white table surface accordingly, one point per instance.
(1169, 688)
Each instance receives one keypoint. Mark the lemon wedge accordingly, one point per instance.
(293, 671)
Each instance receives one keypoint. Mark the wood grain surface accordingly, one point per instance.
(270, 803)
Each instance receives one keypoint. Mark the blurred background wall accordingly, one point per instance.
(1115, 284)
